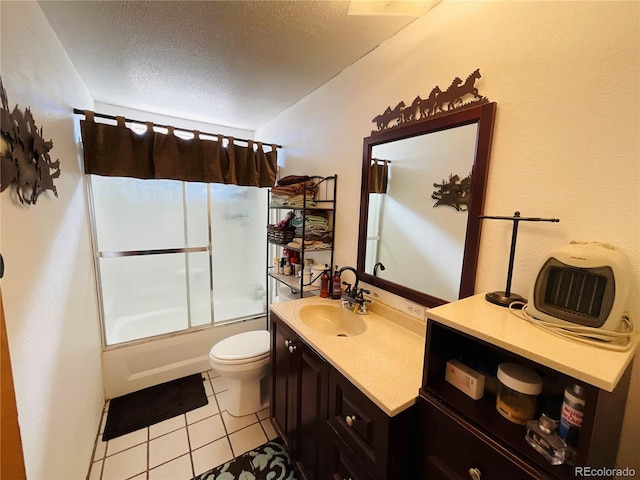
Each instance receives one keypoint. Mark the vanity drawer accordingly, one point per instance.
(359, 422)
(452, 448)
(344, 463)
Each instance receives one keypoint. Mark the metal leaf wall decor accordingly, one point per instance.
(439, 102)
(24, 154)
(454, 193)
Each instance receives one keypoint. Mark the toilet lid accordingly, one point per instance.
(242, 346)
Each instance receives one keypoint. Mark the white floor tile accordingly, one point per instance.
(167, 426)
(178, 469)
(104, 420)
(206, 431)
(168, 447)
(201, 413)
(129, 440)
(247, 439)
(234, 424)
(211, 455)
(219, 384)
(161, 451)
(221, 397)
(101, 448)
(96, 470)
(268, 428)
(125, 464)
(208, 389)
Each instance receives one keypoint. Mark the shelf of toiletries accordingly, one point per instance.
(300, 231)
(506, 410)
(293, 281)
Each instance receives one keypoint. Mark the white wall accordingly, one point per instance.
(48, 288)
(565, 76)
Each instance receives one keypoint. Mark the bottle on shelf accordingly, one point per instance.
(571, 419)
(543, 437)
(324, 288)
(335, 285)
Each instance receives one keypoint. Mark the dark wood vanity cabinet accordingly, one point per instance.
(462, 438)
(370, 444)
(298, 400)
(332, 431)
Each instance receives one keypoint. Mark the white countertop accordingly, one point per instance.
(498, 326)
(385, 362)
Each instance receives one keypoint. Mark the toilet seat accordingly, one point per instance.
(242, 348)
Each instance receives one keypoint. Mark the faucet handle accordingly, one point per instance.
(347, 291)
(360, 294)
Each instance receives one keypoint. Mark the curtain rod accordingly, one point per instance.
(77, 111)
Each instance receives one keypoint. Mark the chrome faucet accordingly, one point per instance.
(352, 298)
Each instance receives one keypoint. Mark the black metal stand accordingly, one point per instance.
(506, 298)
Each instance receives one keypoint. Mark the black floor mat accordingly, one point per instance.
(153, 405)
(267, 462)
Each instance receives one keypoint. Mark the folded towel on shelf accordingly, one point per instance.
(308, 244)
(291, 179)
(296, 189)
(296, 201)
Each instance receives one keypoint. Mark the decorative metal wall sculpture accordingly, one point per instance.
(454, 193)
(434, 105)
(24, 155)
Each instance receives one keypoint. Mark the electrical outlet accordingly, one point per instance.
(415, 310)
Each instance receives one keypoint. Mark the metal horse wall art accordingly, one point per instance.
(24, 154)
(454, 193)
(439, 102)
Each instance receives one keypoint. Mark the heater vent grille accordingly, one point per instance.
(579, 295)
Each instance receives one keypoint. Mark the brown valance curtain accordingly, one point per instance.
(378, 176)
(117, 151)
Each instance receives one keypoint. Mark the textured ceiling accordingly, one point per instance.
(234, 63)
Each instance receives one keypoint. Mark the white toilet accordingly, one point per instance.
(243, 359)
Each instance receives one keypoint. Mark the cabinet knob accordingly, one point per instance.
(292, 347)
(475, 473)
(287, 343)
(350, 419)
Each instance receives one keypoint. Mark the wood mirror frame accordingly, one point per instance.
(484, 116)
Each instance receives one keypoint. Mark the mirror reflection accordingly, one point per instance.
(407, 226)
(422, 195)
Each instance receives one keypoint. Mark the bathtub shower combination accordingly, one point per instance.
(174, 259)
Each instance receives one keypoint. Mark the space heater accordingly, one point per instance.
(583, 283)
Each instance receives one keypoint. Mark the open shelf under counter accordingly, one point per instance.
(500, 327)
(480, 335)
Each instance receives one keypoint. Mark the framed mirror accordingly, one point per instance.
(423, 188)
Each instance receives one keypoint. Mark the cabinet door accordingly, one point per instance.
(453, 449)
(313, 378)
(283, 384)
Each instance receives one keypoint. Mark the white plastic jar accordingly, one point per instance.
(518, 391)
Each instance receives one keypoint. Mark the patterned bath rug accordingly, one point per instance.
(267, 462)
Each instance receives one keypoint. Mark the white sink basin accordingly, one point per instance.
(332, 320)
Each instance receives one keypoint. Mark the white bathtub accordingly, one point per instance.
(131, 367)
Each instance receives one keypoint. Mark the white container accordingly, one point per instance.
(518, 392)
(316, 273)
(306, 275)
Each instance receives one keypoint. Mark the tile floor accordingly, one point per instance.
(184, 446)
